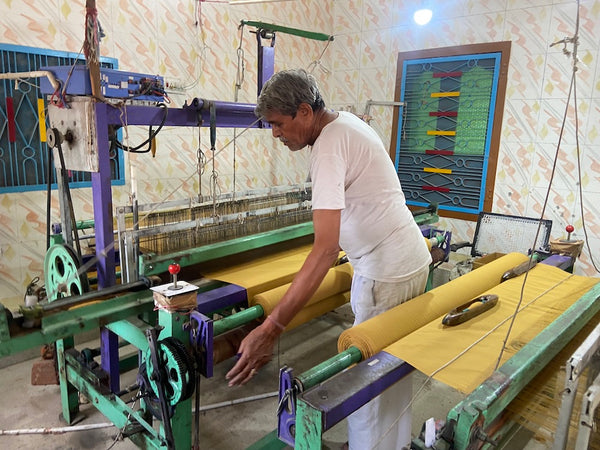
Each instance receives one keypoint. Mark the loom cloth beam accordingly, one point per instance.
(409, 316)
(372, 336)
(369, 338)
(266, 280)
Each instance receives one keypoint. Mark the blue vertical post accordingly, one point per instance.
(266, 60)
(105, 250)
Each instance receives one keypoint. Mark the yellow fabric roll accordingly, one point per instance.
(377, 333)
(337, 280)
(434, 345)
(318, 309)
(266, 279)
(265, 273)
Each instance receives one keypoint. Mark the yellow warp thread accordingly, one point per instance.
(470, 350)
(377, 333)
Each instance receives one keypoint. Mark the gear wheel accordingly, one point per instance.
(183, 352)
(61, 273)
(177, 369)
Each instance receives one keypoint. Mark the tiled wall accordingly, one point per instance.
(537, 91)
(195, 44)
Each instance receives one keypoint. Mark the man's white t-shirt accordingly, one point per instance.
(351, 171)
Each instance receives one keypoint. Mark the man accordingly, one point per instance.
(358, 206)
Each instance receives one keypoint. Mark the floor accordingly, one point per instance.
(231, 427)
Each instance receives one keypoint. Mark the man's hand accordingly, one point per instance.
(255, 351)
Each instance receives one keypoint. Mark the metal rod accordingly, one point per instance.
(328, 368)
(384, 103)
(33, 74)
(109, 291)
(238, 400)
(237, 319)
(56, 430)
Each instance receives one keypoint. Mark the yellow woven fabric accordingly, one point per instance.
(470, 350)
(265, 273)
(377, 333)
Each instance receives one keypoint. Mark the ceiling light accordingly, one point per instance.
(422, 16)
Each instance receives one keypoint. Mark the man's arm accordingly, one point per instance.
(257, 348)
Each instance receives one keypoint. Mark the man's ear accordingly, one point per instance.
(305, 110)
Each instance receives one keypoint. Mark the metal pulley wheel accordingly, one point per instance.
(177, 368)
(61, 273)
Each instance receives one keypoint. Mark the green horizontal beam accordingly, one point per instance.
(62, 324)
(131, 333)
(293, 31)
(424, 219)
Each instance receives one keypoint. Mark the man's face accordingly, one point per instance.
(294, 132)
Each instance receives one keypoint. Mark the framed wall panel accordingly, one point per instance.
(446, 133)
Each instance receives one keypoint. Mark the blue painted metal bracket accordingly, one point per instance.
(202, 338)
(326, 404)
(221, 297)
(286, 410)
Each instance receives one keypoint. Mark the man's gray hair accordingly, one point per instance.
(286, 90)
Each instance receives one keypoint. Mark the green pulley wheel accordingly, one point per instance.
(61, 273)
(176, 368)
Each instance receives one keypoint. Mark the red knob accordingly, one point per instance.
(570, 228)
(174, 269)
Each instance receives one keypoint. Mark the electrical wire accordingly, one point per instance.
(114, 142)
